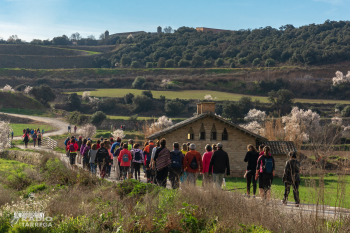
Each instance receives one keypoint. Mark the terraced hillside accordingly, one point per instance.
(47, 57)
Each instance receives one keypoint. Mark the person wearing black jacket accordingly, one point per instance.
(219, 162)
(251, 157)
(265, 171)
(291, 178)
(102, 158)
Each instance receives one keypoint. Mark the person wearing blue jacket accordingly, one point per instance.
(116, 145)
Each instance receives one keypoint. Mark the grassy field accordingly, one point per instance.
(198, 94)
(307, 193)
(18, 128)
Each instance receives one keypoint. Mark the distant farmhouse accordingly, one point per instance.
(214, 30)
(130, 34)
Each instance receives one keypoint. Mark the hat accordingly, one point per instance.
(80, 137)
(89, 139)
(192, 146)
(219, 145)
(111, 139)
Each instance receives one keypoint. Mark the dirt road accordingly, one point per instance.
(59, 124)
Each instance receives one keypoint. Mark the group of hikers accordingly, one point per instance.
(261, 166)
(35, 134)
(180, 165)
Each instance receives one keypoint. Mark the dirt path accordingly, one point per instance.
(59, 124)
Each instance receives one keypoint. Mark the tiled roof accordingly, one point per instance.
(279, 147)
(198, 117)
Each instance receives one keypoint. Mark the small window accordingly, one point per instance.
(213, 133)
(202, 133)
(190, 134)
(225, 135)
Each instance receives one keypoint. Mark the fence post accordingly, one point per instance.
(50, 143)
(9, 142)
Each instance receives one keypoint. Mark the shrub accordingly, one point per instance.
(184, 63)
(128, 98)
(242, 61)
(270, 62)
(135, 64)
(346, 111)
(138, 82)
(106, 105)
(174, 107)
(74, 101)
(43, 94)
(142, 103)
(339, 106)
(169, 63)
(148, 94)
(256, 61)
(98, 117)
(219, 62)
(207, 63)
(149, 65)
(161, 62)
(233, 65)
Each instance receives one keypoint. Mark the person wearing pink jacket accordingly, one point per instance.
(206, 161)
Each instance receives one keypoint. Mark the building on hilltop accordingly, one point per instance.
(214, 30)
(208, 128)
(131, 34)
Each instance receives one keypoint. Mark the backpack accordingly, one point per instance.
(176, 160)
(125, 158)
(117, 152)
(268, 167)
(86, 156)
(26, 137)
(194, 164)
(137, 156)
(149, 154)
(71, 147)
(39, 136)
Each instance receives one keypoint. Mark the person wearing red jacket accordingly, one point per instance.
(206, 161)
(125, 160)
(73, 149)
(192, 164)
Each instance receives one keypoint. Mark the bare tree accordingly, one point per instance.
(102, 36)
(92, 37)
(168, 29)
(75, 36)
(87, 131)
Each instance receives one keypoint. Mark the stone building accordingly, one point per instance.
(208, 128)
(214, 30)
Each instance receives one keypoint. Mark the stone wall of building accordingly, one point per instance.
(235, 146)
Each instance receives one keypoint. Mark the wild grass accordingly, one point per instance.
(198, 94)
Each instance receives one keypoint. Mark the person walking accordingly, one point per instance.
(98, 144)
(75, 129)
(39, 138)
(81, 150)
(184, 173)
(73, 149)
(153, 163)
(265, 171)
(85, 155)
(125, 158)
(116, 163)
(147, 156)
(42, 132)
(192, 164)
(162, 160)
(69, 131)
(218, 164)
(206, 162)
(251, 157)
(92, 156)
(291, 178)
(25, 139)
(34, 138)
(137, 160)
(102, 158)
(176, 166)
(12, 134)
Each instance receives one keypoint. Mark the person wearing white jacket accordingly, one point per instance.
(137, 160)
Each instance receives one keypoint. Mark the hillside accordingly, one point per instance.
(19, 101)
(49, 57)
(326, 43)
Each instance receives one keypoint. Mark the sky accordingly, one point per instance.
(45, 19)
